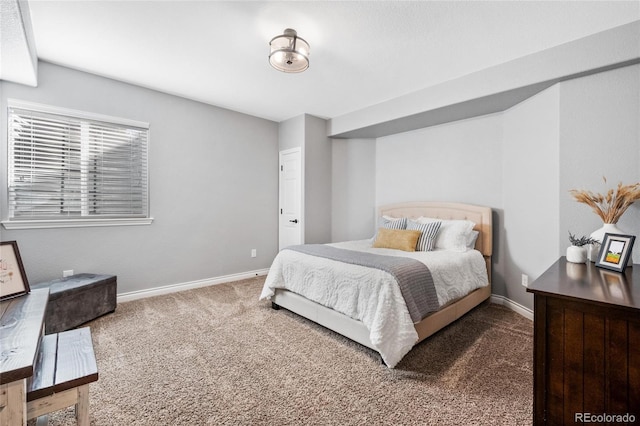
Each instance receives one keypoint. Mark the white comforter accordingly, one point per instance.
(372, 296)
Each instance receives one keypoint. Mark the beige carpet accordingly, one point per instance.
(218, 356)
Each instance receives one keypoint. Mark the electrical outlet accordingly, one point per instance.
(525, 280)
(67, 273)
(254, 253)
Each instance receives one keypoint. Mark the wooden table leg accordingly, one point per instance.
(82, 407)
(13, 403)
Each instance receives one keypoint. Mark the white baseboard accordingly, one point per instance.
(172, 288)
(514, 306)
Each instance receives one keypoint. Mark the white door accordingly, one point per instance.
(290, 229)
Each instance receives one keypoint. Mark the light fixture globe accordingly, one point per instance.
(289, 53)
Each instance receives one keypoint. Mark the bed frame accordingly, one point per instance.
(354, 329)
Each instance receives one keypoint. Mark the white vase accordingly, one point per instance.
(577, 254)
(598, 234)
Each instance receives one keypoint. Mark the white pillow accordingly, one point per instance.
(454, 235)
(471, 242)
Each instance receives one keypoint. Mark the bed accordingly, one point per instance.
(295, 280)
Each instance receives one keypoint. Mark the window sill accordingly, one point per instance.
(73, 223)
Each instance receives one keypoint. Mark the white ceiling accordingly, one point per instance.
(362, 53)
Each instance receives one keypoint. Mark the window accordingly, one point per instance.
(69, 168)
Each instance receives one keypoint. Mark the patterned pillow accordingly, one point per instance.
(392, 223)
(427, 239)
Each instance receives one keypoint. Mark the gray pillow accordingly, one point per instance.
(427, 239)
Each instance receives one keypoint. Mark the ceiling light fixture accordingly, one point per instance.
(289, 53)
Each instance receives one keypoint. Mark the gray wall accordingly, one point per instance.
(353, 189)
(291, 133)
(600, 134)
(213, 180)
(317, 181)
(528, 237)
(450, 162)
(521, 162)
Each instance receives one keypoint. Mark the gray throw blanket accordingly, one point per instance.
(413, 277)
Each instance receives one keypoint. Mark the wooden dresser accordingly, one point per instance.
(586, 344)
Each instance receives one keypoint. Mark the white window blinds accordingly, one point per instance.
(64, 166)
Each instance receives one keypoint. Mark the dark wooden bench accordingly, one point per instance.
(65, 366)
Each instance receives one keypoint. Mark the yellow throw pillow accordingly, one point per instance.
(399, 239)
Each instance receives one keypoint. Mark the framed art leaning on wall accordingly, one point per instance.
(13, 280)
(615, 251)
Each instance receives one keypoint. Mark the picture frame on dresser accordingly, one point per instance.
(13, 279)
(615, 252)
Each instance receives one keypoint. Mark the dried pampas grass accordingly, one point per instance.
(611, 206)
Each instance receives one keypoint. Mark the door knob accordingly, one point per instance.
(294, 221)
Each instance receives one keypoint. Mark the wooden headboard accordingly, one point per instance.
(479, 215)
